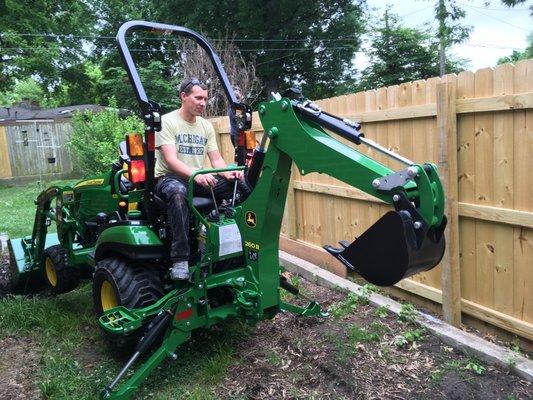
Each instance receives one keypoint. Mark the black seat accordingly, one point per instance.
(202, 204)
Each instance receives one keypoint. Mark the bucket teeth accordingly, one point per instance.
(390, 250)
(344, 243)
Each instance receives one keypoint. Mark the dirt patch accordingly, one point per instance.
(89, 355)
(5, 274)
(358, 355)
(19, 358)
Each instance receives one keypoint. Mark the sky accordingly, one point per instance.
(497, 30)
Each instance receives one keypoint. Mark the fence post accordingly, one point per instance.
(292, 228)
(447, 127)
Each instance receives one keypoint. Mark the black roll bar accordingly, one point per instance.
(147, 106)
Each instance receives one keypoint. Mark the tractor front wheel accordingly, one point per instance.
(120, 282)
(59, 276)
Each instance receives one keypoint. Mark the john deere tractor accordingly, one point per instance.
(113, 228)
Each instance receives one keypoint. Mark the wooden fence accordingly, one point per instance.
(26, 147)
(478, 128)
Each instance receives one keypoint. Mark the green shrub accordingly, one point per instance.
(95, 138)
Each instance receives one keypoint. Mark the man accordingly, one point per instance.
(182, 145)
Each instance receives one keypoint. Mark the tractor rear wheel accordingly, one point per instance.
(59, 276)
(120, 282)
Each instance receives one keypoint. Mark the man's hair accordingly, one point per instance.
(187, 85)
(238, 93)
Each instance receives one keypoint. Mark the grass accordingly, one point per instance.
(351, 302)
(407, 313)
(66, 335)
(17, 207)
(458, 366)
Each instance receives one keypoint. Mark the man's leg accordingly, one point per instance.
(174, 193)
(222, 190)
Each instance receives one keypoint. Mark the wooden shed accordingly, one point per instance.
(33, 141)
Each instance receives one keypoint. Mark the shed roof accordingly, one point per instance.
(14, 114)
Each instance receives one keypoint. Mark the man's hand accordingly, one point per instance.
(205, 180)
(232, 175)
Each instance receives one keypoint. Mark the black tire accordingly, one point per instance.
(120, 282)
(59, 276)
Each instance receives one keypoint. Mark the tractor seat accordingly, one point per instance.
(202, 204)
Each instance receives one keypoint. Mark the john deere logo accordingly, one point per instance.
(251, 219)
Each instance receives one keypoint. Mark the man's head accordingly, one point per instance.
(237, 91)
(193, 95)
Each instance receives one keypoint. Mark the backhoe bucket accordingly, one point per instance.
(392, 249)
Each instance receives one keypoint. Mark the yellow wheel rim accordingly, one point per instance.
(51, 273)
(108, 297)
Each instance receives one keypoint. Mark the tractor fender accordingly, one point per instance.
(132, 241)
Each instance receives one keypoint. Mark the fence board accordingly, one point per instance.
(5, 166)
(503, 192)
(484, 189)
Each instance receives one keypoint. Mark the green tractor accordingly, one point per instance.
(112, 228)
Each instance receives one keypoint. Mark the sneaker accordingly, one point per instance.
(179, 271)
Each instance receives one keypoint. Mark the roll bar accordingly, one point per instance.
(149, 107)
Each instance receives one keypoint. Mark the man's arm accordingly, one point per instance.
(218, 162)
(181, 169)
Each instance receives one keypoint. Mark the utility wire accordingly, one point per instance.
(414, 12)
(262, 49)
(498, 19)
(494, 8)
(53, 35)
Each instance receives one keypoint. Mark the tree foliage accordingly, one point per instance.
(310, 43)
(44, 39)
(95, 138)
(194, 63)
(398, 54)
(24, 90)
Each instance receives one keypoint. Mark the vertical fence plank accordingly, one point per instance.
(447, 123)
(484, 189)
(523, 195)
(5, 165)
(503, 192)
(466, 160)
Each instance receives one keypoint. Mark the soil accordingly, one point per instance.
(295, 357)
(19, 358)
(5, 274)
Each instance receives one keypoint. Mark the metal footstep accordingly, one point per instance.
(392, 249)
(119, 320)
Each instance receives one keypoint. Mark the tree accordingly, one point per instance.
(24, 90)
(450, 31)
(159, 86)
(194, 63)
(42, 38)
(310, 43)
(95, 138)
(398, 54)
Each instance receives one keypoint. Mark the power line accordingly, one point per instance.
(414, 12)
(261, 49)
(498, 19)
(494, 8)
(52, 35)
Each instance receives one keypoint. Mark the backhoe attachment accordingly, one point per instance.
(403, 242)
